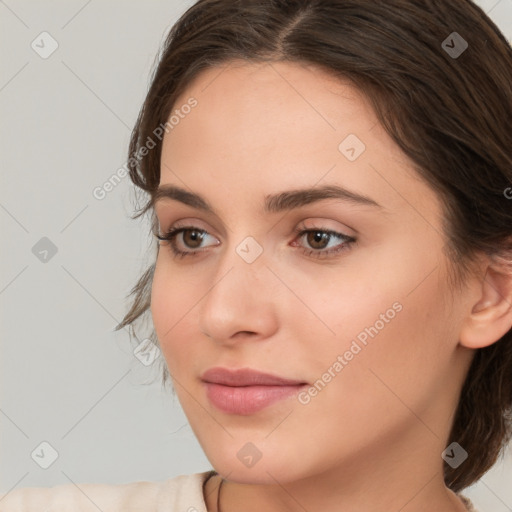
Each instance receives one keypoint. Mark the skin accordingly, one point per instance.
(372, 439)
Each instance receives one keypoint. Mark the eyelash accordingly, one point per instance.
(171, 234)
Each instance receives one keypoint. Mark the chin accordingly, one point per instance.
(266, 470)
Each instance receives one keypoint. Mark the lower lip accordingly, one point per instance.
(247, 400)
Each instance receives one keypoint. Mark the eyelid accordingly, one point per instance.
(306, 224)
(320, 212)
(323, 225)
(185, 218)
(184, 223)
(346, 243)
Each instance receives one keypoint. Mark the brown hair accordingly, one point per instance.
(449, 113)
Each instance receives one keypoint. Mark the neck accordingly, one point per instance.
(361, 485)
(229, 500)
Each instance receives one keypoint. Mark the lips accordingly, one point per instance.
(245, 391)
(245, 377)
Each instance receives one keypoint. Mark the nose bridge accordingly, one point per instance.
(239, 298)
(243, 261)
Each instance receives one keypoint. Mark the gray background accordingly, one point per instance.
(66, 377)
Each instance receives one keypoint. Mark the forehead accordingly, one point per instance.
(266, 127)
(278, 95)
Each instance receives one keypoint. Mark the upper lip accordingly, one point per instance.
(245, 377)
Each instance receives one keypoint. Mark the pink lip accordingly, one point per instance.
(245, 377)
(245, 391)
(245, 400)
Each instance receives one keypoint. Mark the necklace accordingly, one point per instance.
(218, 496)
(464, 500)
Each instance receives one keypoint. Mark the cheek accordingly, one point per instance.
(387, 368)
(172, 305)
(395, 344)
(387, 321)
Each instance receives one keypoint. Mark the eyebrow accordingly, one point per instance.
(274, 203)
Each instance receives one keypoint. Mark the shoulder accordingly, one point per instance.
(183, 493)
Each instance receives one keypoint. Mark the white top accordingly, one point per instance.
(183, 493)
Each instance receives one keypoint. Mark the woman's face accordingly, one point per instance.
(370, 328)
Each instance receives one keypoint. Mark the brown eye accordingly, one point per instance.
(184, 240)
(192, 238)
(315, 242)
(318, 239)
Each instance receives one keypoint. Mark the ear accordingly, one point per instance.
(490, 316)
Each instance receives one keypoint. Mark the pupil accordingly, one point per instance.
(194, 235)
(318, 237)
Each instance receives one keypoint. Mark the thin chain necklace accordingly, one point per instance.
(218, 495)
(467, 506)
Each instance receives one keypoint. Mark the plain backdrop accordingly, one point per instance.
(74, 396)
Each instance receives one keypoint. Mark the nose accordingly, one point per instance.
(239, 303)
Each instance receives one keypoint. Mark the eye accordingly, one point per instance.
(318, 240)
(192, 238)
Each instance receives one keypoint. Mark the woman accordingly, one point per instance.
(330, 183)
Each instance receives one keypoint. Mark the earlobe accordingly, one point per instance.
(490, 317)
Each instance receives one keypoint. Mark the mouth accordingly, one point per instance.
(245, 391)
(245, 400)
